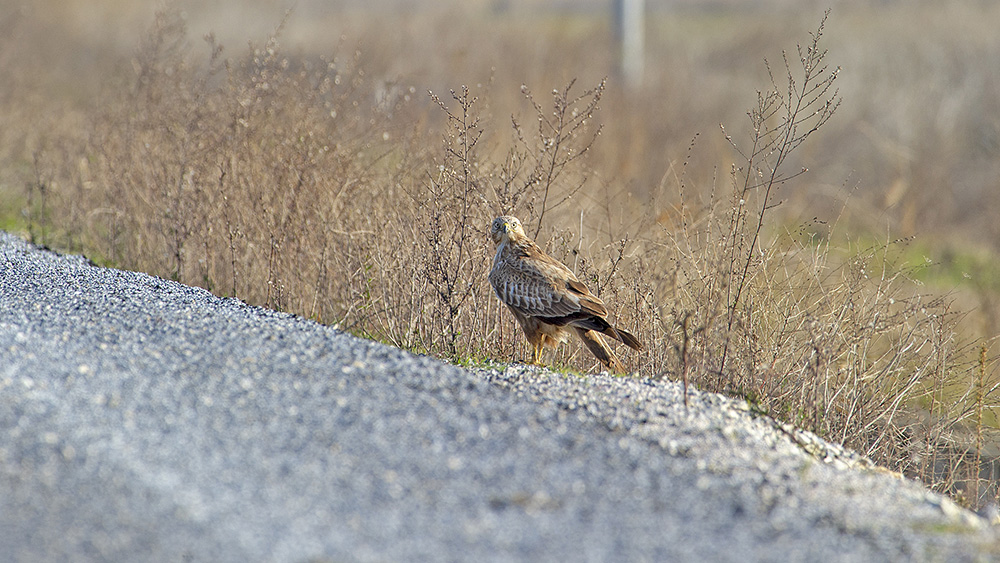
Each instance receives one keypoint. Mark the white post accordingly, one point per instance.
(629, 29)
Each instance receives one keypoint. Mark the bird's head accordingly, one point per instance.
(505, 228)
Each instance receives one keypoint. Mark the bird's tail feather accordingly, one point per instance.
(597, 346)
(624, 336)
(629, 340)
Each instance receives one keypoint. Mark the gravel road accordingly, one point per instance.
(144, 420)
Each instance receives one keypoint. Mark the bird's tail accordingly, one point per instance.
(629, 340)
(592, 339)
(621, 334)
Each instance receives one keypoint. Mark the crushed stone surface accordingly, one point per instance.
(141, 419)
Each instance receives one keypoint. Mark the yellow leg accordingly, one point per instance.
(538, 354)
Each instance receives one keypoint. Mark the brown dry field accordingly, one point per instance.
(832, 262)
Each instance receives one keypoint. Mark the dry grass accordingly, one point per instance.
(314, 184)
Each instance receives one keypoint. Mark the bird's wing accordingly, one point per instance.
(537, 285)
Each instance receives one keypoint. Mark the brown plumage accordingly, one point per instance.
(547, 299)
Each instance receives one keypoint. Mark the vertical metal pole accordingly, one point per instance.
(629, 17)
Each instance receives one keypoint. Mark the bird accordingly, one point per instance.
(547, 299)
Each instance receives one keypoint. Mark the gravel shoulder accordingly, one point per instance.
(141, 419)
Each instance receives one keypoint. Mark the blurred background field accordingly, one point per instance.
(915, 143)
(294, 159)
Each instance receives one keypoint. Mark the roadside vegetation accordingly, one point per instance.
(327, 185)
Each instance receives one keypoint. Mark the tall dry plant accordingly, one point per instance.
(454, 214)
(243, 175)
(565, 134)
(780, 123)
(833, 337)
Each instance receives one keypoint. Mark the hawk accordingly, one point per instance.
(547, 299)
